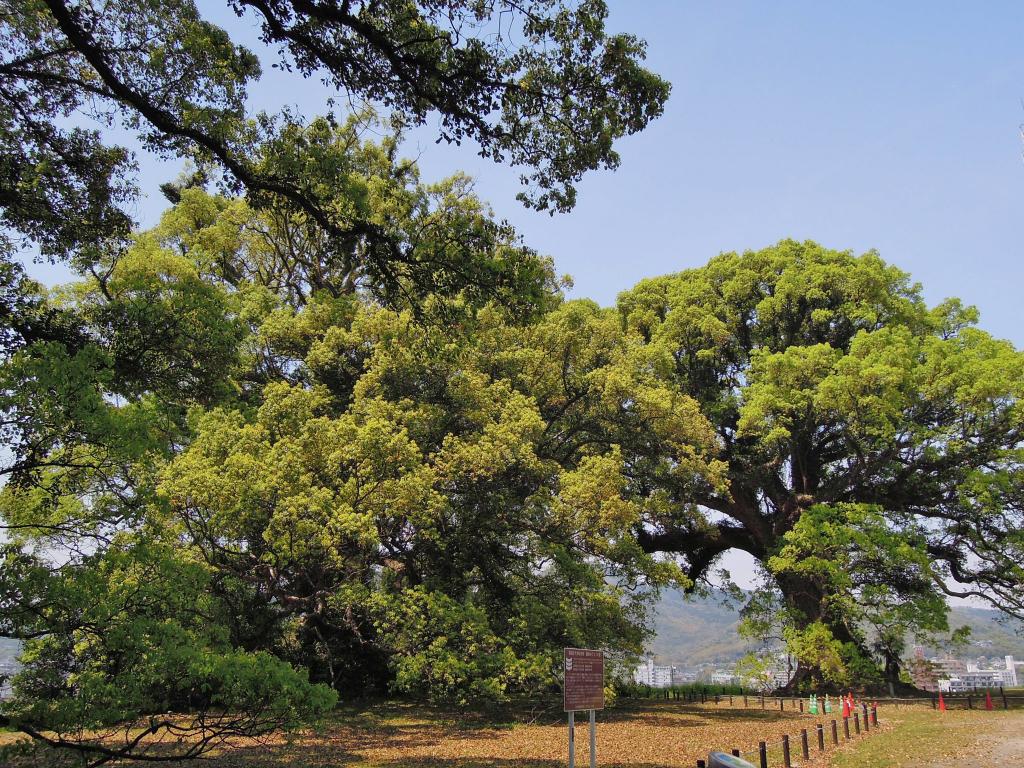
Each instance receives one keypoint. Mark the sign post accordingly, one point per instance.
(583, 690)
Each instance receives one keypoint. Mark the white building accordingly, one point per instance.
(654, 675)
(723, 678)
(972, 678)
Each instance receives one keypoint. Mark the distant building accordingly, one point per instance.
(655, 675)
(723, 678)
(972, 676)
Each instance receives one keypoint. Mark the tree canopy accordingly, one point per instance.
(240, 488)
(539, 85)
(431, 498)
(873, 444)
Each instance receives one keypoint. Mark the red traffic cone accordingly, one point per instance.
(988, 700)
(942, 703)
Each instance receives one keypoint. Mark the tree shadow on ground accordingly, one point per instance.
(335, 748)
(330, 758)
(675, 714)
(581, 760)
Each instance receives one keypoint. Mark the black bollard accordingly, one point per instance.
(701, 764)
(821, 737)
(735, 753)
(835, 733)
(785, 752)
(782, 705)
(762, 751)
(804, 747)
(846, 728)
(856, 723)
(801, 706)
(874, 715)
(864, 708)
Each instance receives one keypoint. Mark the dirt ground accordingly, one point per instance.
(997, 743)
(659, 734)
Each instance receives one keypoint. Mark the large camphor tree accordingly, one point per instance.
(244, 482)
(124, 614)
(873, 443)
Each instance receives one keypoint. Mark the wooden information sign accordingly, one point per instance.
(583, 689)
(584, 680)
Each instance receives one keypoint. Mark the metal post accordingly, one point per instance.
(804, 747)
(821, 737)
(762, 751)
(846, 727)
(969, 704)
(593, 739)
(856, 723)
(785, 752)
(745, 701)
(572, 740)
(864, 708)
(782, 705)
(801, 706)
(762, 702)
(701, 764)
(735, 753)
(835, 733)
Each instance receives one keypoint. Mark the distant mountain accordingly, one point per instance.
(9, 649)
(991, 635)
(695, 631)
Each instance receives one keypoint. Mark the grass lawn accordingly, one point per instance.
(921, 737)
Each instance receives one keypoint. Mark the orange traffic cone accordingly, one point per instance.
(942, 703)
(846, 707)
(988, 700)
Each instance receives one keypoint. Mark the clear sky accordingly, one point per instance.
(893, 126)
(883, 125)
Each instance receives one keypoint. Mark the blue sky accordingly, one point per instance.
(892, 126)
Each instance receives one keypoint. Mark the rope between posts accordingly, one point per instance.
(817, 740)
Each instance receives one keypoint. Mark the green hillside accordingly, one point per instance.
(702, 630)
(989, 635)
(696, 630)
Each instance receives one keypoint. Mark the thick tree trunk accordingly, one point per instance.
(805, 601)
